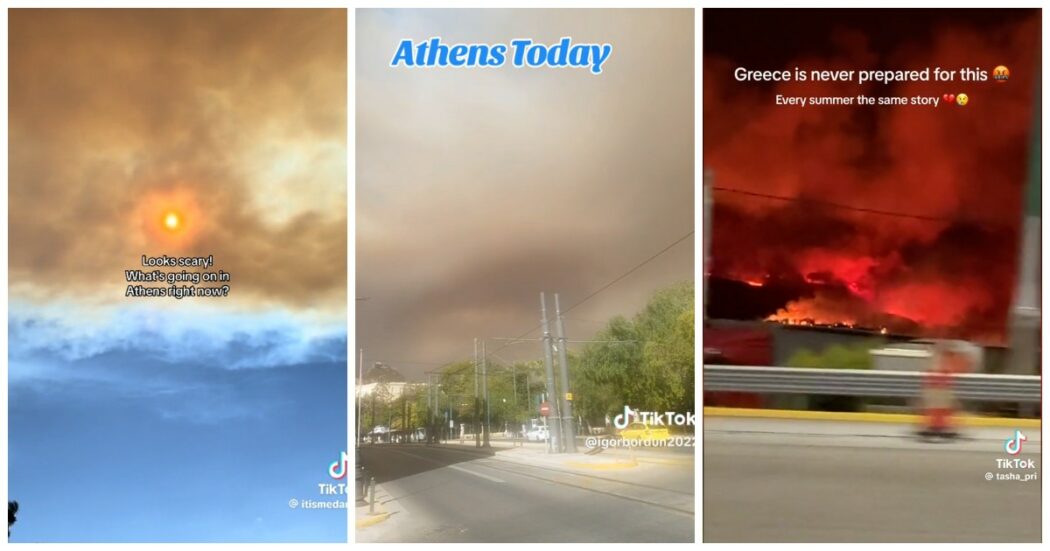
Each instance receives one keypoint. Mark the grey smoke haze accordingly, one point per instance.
(478, 188)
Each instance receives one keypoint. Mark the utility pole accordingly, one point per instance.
(709, 203)
(373, 408)
(437, 412)
(514, 409)
(548, 362)
(360, 384)
(430, 409)
(1025, 313)
(485, 391)
(477, 408)
(528, 392)
(568, 430)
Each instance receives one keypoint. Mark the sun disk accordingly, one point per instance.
(171, 221)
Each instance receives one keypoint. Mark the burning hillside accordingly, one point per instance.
(896, 218)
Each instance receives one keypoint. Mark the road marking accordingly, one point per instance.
(584, 482)
(614, 466)
(566, 478)
(488, 460)
(468, 471)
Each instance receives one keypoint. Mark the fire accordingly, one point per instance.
(827, 267)
(885, 221)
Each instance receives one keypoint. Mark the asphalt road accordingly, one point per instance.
(442, 495)
(785, 481)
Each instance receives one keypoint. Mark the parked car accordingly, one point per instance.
(537, 434)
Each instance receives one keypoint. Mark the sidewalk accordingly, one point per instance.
(535, 453)
(369, 527)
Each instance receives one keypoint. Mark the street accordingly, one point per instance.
(825, 481)
(441, 494)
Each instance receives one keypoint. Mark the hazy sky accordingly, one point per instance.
(135, 419)
(479, 188)
(235, 118)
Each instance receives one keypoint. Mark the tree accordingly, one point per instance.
(457, 384)
(646, 363)
(836, 356)
(377, 407)
(12, 510)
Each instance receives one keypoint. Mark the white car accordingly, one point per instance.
(537, 434)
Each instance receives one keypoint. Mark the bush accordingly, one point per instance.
(836, 356)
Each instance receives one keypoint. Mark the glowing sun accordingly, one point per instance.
(172, 220)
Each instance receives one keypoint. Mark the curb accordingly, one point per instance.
(681, 463)
(615, 466)
(606, 466)
(372, 520)
(866, 417)
(632, 462)
(490, 451)
(380, 515)
(656, 459)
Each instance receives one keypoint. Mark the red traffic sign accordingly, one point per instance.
(545, 409)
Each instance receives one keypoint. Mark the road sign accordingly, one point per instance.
(568, 396)
(545, 409)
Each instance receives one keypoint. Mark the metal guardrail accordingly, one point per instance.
(979, 387)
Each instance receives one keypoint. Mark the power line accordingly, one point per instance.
(406, 362)
(609, 284)
(600, 322)
(796, 199)
(631, 271)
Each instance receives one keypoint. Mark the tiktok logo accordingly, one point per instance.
(337, 469)
(622, 420)
(1013, 445)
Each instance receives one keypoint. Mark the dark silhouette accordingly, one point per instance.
(12, 510)
(382, 373)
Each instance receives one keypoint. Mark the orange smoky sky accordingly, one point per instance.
(928, 240)
(179, 132)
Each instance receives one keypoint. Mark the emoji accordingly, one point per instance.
(962, 99)
(948, 98)
(1001, 74)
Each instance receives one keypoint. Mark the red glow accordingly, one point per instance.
(952, 275)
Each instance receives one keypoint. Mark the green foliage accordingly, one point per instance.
(836, 356)
(457, 390)
(514, 392)
(647, 362)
